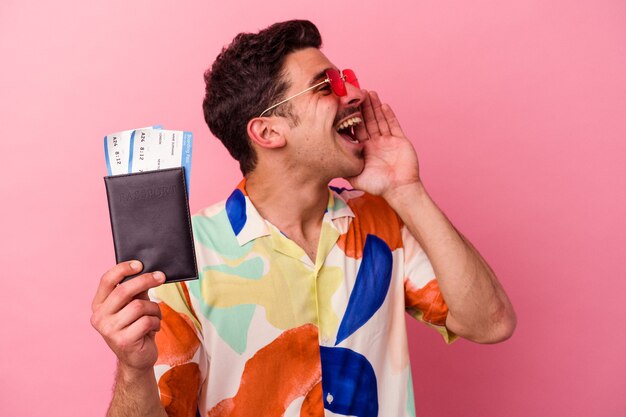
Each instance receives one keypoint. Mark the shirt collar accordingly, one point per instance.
(248, 224)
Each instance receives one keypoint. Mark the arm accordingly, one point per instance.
(128, 321)
(479, 309)
(135, 394)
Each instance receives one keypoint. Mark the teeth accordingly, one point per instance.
(350, 122)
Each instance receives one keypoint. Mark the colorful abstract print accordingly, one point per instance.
(266, 331)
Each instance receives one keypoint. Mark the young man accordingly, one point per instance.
(299, 309)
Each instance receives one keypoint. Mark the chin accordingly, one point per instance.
(353, 170)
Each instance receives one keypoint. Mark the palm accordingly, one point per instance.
(390, 160)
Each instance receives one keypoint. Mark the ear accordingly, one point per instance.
(267, 132)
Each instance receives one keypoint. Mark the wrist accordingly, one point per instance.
(404, 195)
(131, 375)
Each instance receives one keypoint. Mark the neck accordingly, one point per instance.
(292, 203)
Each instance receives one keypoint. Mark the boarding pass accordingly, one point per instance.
(148, 149)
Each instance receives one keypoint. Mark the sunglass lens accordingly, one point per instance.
(336, 83)
(351, 77)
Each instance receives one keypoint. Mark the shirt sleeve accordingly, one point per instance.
(422, 297)
(181, 367)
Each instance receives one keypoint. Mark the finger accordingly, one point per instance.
(134, 310)
(360, 132)
(371, 125)
(112, 278)
(139, 329)
(143, 296)
(129, 290)
(392, 121)
(378, 113)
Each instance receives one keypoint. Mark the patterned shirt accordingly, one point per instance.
(266, 331)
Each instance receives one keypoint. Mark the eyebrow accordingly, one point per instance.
(316, 77)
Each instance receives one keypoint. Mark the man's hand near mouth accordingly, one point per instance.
(390, 159)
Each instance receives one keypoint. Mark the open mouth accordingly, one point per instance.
(346, 128)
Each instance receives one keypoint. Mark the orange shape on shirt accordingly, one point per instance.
(179, 390)
(313, 405)
(373, 216)
(177, 340)
(282, 371)
(428, 300)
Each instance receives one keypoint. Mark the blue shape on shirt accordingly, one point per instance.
(370, 288)
(236, 210)
(339, 190)
(348, 383)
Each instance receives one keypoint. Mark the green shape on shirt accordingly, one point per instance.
(218, 226)
(251, 269)
(231, 323)
(410, 401)
(338, 204)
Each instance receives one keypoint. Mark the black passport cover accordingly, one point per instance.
(150, 222)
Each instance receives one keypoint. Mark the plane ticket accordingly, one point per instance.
(153, 149)
(117, 149)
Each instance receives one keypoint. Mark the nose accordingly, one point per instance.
(354, 96)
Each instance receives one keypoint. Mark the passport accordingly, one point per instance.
(150, 222)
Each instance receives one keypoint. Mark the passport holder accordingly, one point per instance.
(150, 222)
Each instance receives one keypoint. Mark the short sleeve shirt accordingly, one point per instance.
(266, 331)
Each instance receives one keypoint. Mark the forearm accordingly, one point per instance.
(135, 395)
(479, 309)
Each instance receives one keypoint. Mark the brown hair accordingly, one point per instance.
(246, 78)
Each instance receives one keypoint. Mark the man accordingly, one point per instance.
(299, 308)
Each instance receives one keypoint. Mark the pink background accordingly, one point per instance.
(518, 113)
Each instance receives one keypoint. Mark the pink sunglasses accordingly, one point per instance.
(336, 80)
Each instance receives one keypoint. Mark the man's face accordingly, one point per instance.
(315, 143)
